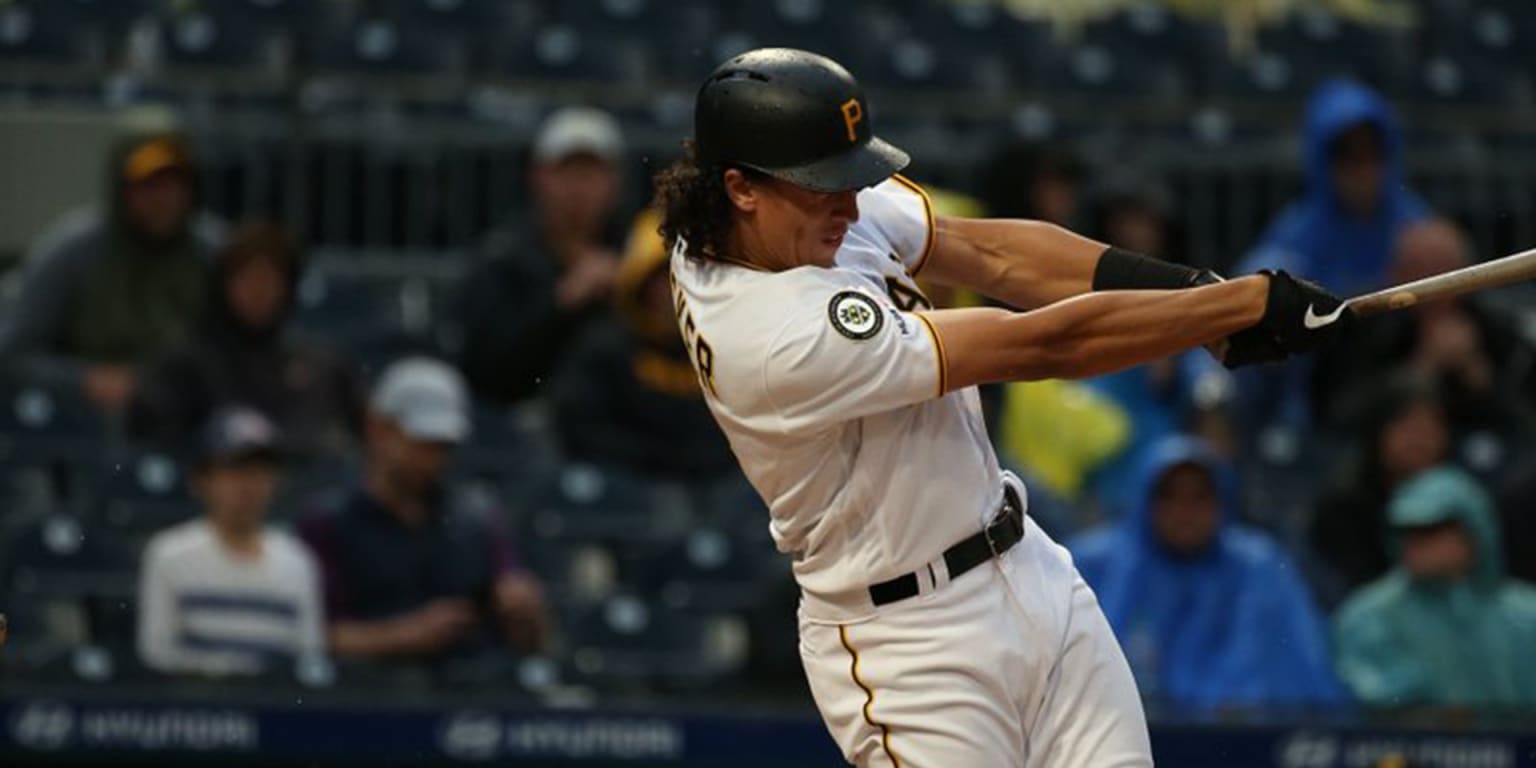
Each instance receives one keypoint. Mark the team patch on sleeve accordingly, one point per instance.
(855, 315)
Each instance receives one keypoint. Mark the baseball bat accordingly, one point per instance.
(1477, 277)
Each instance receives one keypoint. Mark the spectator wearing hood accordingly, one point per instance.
(1405, 433)
(1341, 232)
(245, 353)
(1445, 626)
(546, 276)
(629, 395)
(1210, 612)
(114, 286)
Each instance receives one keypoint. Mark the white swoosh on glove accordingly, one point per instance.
(1313, 321)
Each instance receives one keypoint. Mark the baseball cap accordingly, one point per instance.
(426, 398)
(237, 432)
(154, 156)
(577, 131)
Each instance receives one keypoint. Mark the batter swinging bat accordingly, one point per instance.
(1491, 274)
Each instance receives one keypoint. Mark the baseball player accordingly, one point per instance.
(939, 626)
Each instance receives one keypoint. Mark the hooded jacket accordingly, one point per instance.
(1233, 625)
(628, 394)
(97, 289)
(1470, 641)
(1315, 237)
(310, 392)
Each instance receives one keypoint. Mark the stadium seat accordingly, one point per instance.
(625, 642)
(44, 420)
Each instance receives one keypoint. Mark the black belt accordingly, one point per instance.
(1005, 530)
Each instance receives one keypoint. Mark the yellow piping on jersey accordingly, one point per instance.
(943, 358)
(869, 696)
(927, 216)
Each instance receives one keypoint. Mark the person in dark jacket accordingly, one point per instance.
(544, 278)
(628, 395)
(245, 353)
(113, 286)
(1406, 432)
(1210, 612)
(1473, 351)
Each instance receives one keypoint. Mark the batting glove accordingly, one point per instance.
(1302, 315)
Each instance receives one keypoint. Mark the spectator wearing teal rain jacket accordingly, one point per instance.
(1446, 626)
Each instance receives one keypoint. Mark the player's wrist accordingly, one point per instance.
(1119, 269)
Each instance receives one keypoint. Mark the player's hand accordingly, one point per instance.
(1301, 315)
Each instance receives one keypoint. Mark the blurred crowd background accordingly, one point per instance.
(338, 352)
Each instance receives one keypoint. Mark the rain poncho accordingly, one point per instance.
(1470, 641)
(1233, 625)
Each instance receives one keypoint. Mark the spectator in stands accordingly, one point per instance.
(1476, 354)
(1341, 232)
(225, 593)
(1029, 180)
(1405, 433)
(111, 287)
(412, 569)
(1210, 612)
(1445, 626)
(1133, 211)
(244, 352)
(548, 275)
(629, 395)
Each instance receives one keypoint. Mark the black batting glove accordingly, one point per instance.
(1301, 315)
(1251, 346)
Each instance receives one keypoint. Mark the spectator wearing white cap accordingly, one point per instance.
(548, 273)
(410, 571)
(225, 593)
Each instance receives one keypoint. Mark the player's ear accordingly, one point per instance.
(741, 190)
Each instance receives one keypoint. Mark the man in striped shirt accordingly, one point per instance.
(224, 593)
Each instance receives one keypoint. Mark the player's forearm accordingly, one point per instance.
(1024, 263)
(1093, 334)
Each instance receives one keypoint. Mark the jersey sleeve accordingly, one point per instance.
(854, 356)
(902, 215)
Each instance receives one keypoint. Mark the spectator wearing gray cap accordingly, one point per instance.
(225, 593)
(548, 273)
(411, 571)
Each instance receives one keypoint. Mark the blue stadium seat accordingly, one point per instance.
(586, 502)
(46, 421)
(707, 568)
(140, 493)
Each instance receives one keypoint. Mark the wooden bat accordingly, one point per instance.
(1489, 274)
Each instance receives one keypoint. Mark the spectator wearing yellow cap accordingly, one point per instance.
(111, 286)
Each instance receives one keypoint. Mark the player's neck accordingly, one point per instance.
(747, 246)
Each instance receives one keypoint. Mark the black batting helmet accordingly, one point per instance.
(793, 115)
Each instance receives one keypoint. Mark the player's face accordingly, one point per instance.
(1186, 511)
(794, 226)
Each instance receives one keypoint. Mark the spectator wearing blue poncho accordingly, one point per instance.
(1341, 232)
(1210, 612)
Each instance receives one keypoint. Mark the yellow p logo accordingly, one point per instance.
(852, 114)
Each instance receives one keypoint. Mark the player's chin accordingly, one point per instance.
(825, 249)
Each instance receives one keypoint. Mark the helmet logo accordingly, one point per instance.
(853, 112)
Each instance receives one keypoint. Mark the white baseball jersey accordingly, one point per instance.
(831, 390)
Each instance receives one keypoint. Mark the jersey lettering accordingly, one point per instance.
(703, 354)
(906, 298)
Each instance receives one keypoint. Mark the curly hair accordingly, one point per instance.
(690, 195)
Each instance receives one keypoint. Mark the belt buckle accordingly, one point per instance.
(992, 546)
